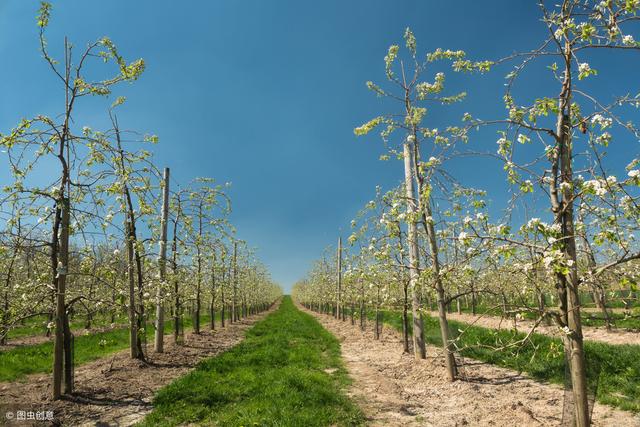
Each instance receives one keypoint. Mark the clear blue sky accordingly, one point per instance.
(265, 94)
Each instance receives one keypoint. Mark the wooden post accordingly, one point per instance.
(162, 264)
(339, 278)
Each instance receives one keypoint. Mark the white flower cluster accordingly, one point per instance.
(628, 40)
(599, 119)
(604, 139)
(602, 6)
(464, 238)
(533, 222)
(596, 186)
(554, 258)
(584, 67)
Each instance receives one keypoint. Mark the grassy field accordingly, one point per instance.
(287, 372)
(613, 370)
(591, 319)
(24, 360)
(37, 325)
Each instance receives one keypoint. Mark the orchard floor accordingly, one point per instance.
(394, 389)
(615, 336)
(42, 338)
(117, 390)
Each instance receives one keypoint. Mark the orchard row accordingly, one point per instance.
(568, 226)
(92, 227)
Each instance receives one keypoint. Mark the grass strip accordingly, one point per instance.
(286, 372)
(613, 371)
(20, 361)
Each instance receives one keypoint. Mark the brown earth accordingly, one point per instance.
(117, 390)
(394, 389)
(41, 338)
(614, 336)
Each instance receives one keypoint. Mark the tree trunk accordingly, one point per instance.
(376, 331)
(568, 284)
(338, 277)
(474, 302)
(405, 319)
(133, 324)
(235, 283)
(353, 320)
(162, 261)
(362, 311)
(419, 349)
(60, 248)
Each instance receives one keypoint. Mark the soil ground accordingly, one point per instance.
(394, 389)
(42, 338)
(614, 336)
(117, 390)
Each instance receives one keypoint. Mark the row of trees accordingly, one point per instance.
(570, 223)
(90, 226)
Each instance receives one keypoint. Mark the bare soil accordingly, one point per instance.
(117, 390)
(394, 389)
(42, 338)
(615, 336)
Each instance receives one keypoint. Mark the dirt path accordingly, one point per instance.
(615, 337)
(41, 338)
(395, 390)
(118, 390)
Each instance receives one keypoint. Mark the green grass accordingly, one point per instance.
(37, 325)
(591, 319)
(278, 376)
(18, 362)
(615, 368)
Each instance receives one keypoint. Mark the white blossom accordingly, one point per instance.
(628, 40)
(584, 67)
(599, 119)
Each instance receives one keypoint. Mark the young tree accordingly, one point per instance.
(412, 94)
(576, 29)
(45, 137)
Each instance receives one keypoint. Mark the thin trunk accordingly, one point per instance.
(564, 215)
(405, 318)
(222, 301)
(212, 312)
(419, 349)
(162, 264)
(235, 283)
(474, 301)
(353, 309)
(61, 251)
(339, 277)
(174, 270)
(448, 349)
(362, 310)
(133, 324)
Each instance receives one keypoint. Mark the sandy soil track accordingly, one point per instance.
(117, 390)
(395, 390)
(615, 337)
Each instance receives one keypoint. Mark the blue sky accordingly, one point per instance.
(265, 94)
